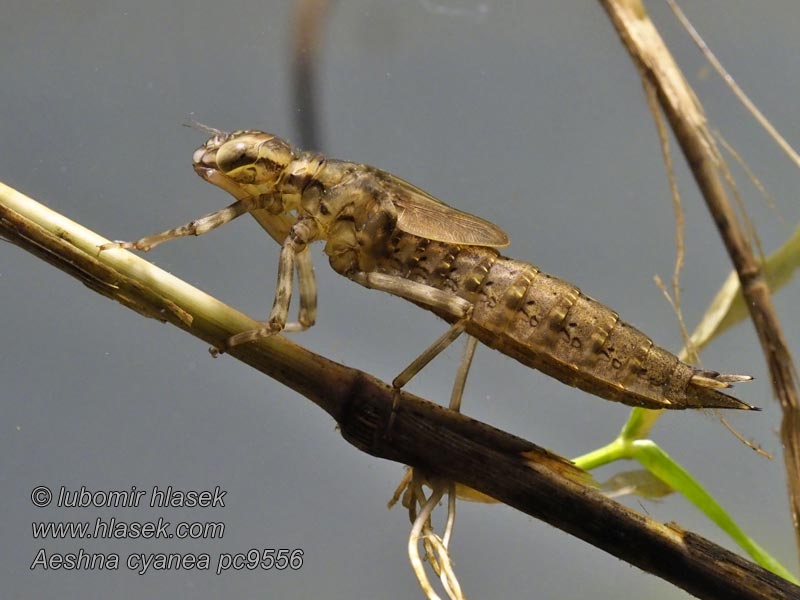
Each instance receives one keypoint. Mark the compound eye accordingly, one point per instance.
(236, 154)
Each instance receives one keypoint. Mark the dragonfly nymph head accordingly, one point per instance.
(250, 158)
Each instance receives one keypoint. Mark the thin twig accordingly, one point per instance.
(680, 225)
(728, 78)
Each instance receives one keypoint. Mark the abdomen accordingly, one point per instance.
(550, 325)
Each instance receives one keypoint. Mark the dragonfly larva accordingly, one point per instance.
(384, 233)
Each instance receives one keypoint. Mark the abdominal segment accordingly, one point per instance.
(550, 325)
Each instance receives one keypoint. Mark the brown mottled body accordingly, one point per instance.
(386, 234)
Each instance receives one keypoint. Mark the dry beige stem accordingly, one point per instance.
(686, 116)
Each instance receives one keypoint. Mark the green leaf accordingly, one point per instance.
(728, 307)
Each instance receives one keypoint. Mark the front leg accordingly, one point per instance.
(307, 286)
(301, 234)
(278, 227)
(197, 227)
